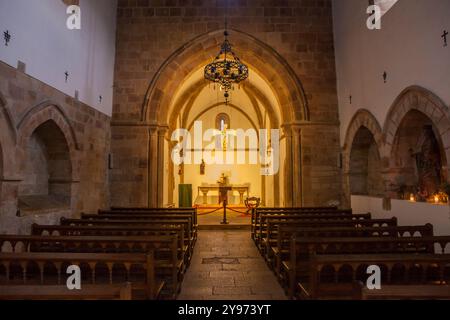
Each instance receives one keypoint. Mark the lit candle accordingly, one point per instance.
(412, 198)
(436, 199)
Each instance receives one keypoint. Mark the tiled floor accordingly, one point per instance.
(227, 266)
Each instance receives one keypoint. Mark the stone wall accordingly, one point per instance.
(151, 31)
(396, 142)
(51, 144)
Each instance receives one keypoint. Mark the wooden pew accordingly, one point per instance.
(169, 261)
(262, 228)
(47, 268)
(150, 209)
(302, 250)
(154, 211)
(120, 210)
(256, 213)
(185, 223)
(279, 249)
(408, 269)
(403, 292)
(87, 292)
(117, 230)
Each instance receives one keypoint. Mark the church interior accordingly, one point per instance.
(224, 150)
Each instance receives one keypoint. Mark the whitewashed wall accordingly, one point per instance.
(41, 39)
(408, 47)
(408, 213)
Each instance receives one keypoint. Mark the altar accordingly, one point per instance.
(205, 189)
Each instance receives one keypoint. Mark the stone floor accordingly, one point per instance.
(227, 266)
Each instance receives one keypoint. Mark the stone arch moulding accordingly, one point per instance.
(265, 60)
(426, 102)
(38, 115)
(8, 118)
(362, 118)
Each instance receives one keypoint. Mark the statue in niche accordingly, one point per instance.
(428, 163)
(202, 168)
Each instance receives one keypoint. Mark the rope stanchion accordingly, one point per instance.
(209, 212)
(237, 211)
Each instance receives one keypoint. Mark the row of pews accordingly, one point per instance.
(324, 253)
(122, 253)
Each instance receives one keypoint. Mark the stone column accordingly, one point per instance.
(162, 131)
(171, 184)
(288, 170)
(263, 190)
(153, 167)
(297, 183)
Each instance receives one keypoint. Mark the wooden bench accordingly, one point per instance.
(45, 268)
(408, 269)
(302, 250)
(117, 230)
(169, 261)
(155, 211)
(87, 292)
(185, 223)
(402, 292)
(277, 250)
(264, 218)
(257, 212)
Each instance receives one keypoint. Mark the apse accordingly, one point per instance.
(251, 105)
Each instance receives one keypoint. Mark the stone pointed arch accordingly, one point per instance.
(362, 118)
(424, 101)
(8, 118)
(42, 112)
(270, 65)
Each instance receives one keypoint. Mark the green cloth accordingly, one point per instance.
(185, 195)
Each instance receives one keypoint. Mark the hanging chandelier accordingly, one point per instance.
(227, 69)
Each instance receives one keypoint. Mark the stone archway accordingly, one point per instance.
(47, 159)
(425, 107)
(158, 108)
(201, 50)
(363, 125)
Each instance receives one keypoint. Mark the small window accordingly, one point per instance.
(222, 121)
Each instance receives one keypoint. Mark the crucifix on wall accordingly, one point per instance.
(7, 37)
(444, 36)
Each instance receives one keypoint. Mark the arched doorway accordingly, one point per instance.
(273, 96)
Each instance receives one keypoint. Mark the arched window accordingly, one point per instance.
(222, 119)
